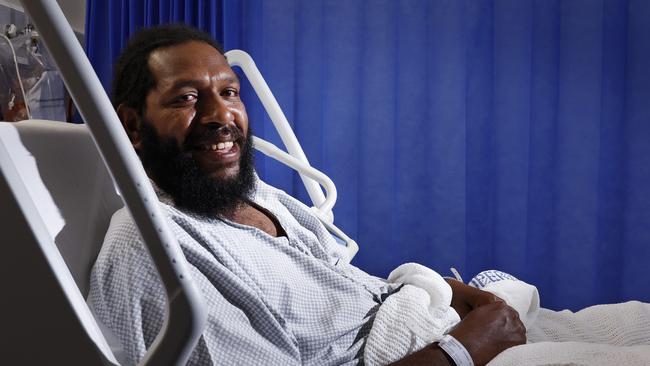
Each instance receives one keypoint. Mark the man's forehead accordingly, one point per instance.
(188, 57)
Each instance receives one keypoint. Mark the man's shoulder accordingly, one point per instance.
(268, 194)
(122, 229)
(123, 266)
(122, 244)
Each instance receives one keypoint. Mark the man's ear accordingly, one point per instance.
(132, 124)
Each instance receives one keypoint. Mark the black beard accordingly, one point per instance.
(177, 173)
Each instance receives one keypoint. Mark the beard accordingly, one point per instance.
(174, 170)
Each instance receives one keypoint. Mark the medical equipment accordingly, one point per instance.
(21, 216)
(30, 86)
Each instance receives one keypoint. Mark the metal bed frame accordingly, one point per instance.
(185, 317)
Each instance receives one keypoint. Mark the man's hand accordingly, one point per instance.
(485, 332)
(489, 329)
(467, 298)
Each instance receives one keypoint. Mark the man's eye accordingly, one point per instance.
(186, 98)
(230, 93)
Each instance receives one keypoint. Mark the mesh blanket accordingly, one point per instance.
(599, 335)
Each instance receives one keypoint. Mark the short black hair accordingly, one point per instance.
(132, 78)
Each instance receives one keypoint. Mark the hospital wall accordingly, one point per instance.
(509, 134)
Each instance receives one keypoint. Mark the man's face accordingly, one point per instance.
(193, 137)
(196, 102)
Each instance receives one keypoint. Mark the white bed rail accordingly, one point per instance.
(323, 212)
(296, 159)
(244, 61)
(303, 168)
(185, 317)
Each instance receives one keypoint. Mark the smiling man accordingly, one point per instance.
(191, 132)
(275, 291)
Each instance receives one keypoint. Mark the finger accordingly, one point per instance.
(521, 324)
(510, 308)
(498, 305)
(486, 298)
(498, 299)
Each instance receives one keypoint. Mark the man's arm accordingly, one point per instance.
(431, 355)
(467, 298)
(485, 332)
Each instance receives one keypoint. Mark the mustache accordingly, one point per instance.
(211, 134)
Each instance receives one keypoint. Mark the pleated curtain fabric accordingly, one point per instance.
(507, 134)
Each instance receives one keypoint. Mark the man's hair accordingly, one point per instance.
(132, 78)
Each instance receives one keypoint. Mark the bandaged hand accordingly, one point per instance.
(467, 298)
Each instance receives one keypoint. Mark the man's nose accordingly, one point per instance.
(214, 109)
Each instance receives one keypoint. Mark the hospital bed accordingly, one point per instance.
(60, 184)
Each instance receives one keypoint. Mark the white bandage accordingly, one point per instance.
(521, 296)
(456, 351)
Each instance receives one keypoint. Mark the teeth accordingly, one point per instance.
(221, 146)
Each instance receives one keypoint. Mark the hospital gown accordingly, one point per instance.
(270, 300)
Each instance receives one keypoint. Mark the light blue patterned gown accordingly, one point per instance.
(270, 300)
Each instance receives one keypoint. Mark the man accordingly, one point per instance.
(274, 289)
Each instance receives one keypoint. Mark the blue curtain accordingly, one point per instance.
(509, 134)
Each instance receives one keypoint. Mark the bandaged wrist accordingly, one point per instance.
(456, 351)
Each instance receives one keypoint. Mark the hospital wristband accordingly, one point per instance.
(456, 351)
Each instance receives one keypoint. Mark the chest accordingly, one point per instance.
(260, 218)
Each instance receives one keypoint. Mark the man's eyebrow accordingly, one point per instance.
(193, 82)
(184, 83)
(231, 79)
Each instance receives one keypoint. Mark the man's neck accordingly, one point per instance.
(251, 214)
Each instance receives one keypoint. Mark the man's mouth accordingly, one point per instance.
(218, 151)
(214, 149)
(221, 146)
